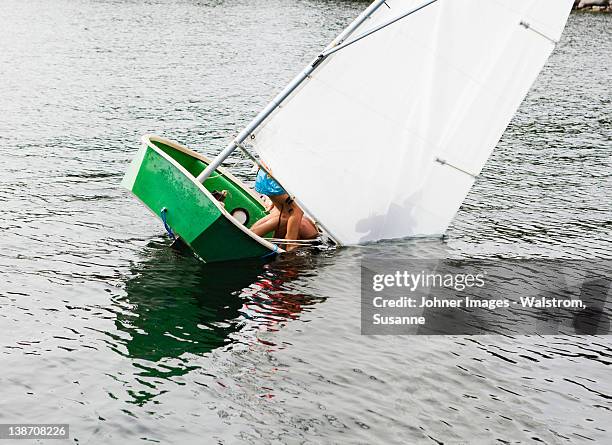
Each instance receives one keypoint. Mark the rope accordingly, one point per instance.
(163, 212)
(294, 241)
(214, 177)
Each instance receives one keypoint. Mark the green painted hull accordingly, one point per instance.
(163, 175)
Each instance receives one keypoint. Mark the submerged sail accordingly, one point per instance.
(385, 138)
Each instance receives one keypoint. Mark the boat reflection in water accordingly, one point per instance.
(178, 315)
(176, 305)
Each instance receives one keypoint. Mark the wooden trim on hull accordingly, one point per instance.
(194, 154)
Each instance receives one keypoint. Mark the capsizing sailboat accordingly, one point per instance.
(381, 136)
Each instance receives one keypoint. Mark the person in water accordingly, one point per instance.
(286, 218)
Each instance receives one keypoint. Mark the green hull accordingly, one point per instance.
(163, 176)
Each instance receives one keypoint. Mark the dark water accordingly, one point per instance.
(104, 327)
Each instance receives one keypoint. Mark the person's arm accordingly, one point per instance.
(293, 224)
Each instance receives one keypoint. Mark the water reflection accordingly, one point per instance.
(175, 305)
(279, 295)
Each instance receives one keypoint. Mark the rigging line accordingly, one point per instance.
(257, 162)
(254, 159)
(304, 241)
(295, 243)
(528, 26)
(372, 31)
(264, 168)
(444, 162)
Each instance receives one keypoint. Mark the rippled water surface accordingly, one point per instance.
(105, 327)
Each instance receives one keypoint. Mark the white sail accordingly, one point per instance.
(385, 138)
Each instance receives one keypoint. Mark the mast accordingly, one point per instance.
(293, 85)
